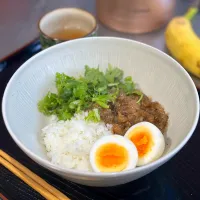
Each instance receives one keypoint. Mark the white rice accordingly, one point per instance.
(68, 143)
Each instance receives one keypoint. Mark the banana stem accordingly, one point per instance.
(191, 13)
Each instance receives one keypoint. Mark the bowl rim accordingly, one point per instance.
(49, 165)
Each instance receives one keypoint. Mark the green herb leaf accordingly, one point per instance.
(113, 75)
(103, 100)
(140, 94)
(80, 90)
(64, 115)
(48, 104)
(61, 82)
(93, 115)
(128, 85)
(94, 76)
(76, 105)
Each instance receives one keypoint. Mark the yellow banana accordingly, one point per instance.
(184, 44)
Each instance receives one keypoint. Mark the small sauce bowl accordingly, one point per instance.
(66, 24)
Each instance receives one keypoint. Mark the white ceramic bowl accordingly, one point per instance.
(157, 74)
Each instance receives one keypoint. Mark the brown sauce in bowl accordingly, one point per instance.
(126, 112)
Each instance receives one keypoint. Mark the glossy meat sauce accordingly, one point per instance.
(126, 112)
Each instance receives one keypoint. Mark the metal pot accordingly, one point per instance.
(135, 16)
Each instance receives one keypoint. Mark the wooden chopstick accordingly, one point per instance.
(33, 180)
(28, 180)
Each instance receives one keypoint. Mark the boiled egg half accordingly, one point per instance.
(113, 153)
(149, 141)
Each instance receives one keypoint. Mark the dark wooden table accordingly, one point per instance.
(176, 180)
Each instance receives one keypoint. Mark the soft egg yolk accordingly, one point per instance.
(142, 139)
(111, 157)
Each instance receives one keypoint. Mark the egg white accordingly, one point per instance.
(116, 139)
(158, 146)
